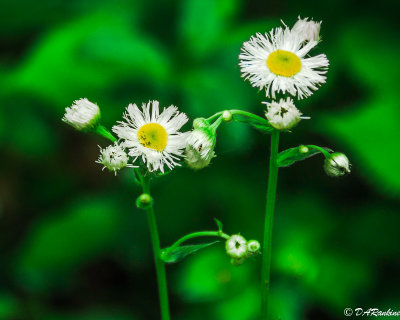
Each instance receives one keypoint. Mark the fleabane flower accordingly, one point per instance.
(337, 164)
(114, 158)
(200, 147)
(236, 246)
(309, 30)
(277, 62)
(283, 115)
(152, 136)
(82, 115)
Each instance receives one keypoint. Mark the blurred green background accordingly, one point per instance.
(73, 245)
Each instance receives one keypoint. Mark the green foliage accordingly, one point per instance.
(219, 224)
(180, 252)
(289, 156)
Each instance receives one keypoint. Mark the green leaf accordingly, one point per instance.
(181, 252)
(219, 224)
(260, 124)
(288, 157)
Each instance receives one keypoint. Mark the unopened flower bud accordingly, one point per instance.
(114, 158)
(200, 148)
(336, 165)
(144, 201)
(283, 115)
(227, 116)
(82, 115)
(307, 30)
(253, 246)
(236, 247)
(200, 123)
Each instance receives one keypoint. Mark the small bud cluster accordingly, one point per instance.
(283, 115)
(239, 249)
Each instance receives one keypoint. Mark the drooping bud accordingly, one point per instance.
(337, 164)
(114, 158)
(82, 115)
(307, 30)
(236, 247)
(283, 115)
(200, 148)
(200, 123)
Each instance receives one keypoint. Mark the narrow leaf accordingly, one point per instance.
(181, 252)
(219, 224)
(292, 155)
(260, 124)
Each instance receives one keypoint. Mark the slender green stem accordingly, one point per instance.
(160, 266)
(103, 131)
(242, 113)
(269, 217)
(323, 151)
(198, 234)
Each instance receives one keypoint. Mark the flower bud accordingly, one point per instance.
(200, 148)
(227, 116)
(307, 30)
(236, 247)
(144, 201)
(253, 246)
(82, 115)
(114, 158)
(200, 123)
(336, 165)
(283, 115)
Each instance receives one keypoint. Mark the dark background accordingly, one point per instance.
(74, 246)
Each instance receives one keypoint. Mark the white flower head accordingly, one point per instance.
(337, 164)
(283, 115)
(114, 158)
(153, 136)
(200, 147)
(277, 62)
(253, 246)
(309, 30)
(82, 115)
(236, 246)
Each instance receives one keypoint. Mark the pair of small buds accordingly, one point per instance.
(239, 249)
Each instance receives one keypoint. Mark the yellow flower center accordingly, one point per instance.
(153, 136)
(283, 63)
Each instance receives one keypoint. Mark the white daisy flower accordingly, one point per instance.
(153, 136)
(337, 165)
(277, 62)
(82, 115)
(236, 246)
(283, 115)
(114, 158)
(309, 30)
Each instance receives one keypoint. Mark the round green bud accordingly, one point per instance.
(227, 116)
(303, 149)
(253, 246)
(144, 201)
(200, 123)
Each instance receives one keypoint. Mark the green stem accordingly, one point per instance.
(323, 151)
(269, 217)
(242, 113)
(101, 130)
(198, 234)
(160, 266)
